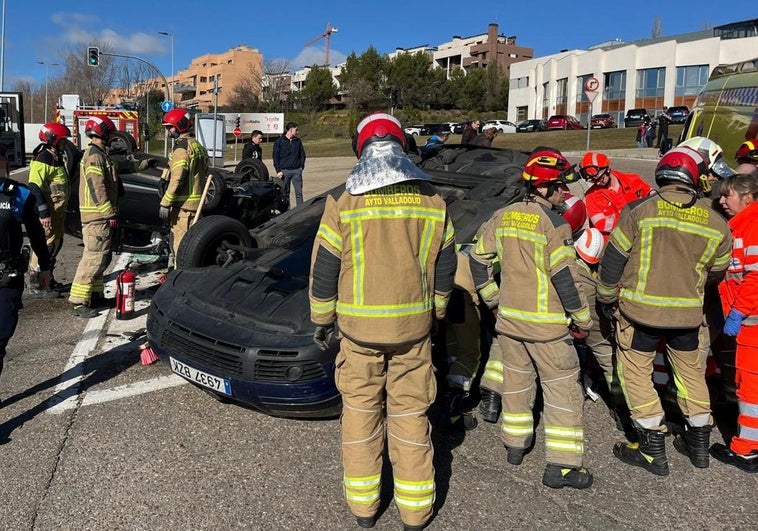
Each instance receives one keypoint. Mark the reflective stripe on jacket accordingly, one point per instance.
(383, 263)
(98, 186)
(189, 169)
(659, 257)
(739, 289)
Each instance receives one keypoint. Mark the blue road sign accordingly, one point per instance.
(166, 106)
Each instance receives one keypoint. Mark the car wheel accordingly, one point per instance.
(213, 240)
(252, 170)
(121, 142)
(216, 191)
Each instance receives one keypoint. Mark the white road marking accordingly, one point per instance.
(124, 391)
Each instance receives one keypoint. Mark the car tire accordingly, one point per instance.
(121, 142)
(216, 191)
(205, 243)
(252, 170)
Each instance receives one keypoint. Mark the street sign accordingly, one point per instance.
(591, 85)
(166, 106)
(237, 131)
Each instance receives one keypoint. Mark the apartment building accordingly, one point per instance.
(649, 73)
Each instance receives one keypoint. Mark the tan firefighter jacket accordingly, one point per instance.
(539, 295)
(383, 263)
(98, 186)
(659, 257)
(188, 165)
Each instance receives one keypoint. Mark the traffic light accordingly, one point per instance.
(237, 122)
(93, 56)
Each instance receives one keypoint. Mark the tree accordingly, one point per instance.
(473, 90)
(276, 83)
(91, 83)
(410, 79)
(364, 79)
(318, 90)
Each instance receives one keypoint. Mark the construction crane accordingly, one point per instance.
(326, 35)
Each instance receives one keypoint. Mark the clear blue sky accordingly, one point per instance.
(38, 31)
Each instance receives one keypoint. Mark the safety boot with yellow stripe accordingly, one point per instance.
(558, 476)
(649, 453)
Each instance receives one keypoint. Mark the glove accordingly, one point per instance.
(609, 309)
(733, 323)
(322, 335)
(113, 223)
(164, 213)
(577, 333)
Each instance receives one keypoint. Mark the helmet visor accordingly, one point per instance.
(721, 169)
(593, 173)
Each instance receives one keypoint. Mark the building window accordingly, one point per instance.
(561, 91)
(690, 79)
(512, 55)
(614, 85)
(203, 79)
(522, 82)
(522, 113)
(650, 82)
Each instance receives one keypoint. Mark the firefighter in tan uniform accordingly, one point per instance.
(48, 175)
(540, 306)
(188, 169)
(383, 266)
(653, 272)
(98, 205)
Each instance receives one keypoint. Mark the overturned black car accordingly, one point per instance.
(243, 331)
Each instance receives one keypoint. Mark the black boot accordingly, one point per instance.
(455, 416)
(489, 406)
(694, 444)
(557, 477)
(649, 453)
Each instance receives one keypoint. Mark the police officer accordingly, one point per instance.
(539, 307)
(98, 205)
(652, 276)
(17, 206)
(48, 174)
(188, 169)
(383, 265)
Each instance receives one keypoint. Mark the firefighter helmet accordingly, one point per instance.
(377, 126)
(589, 245)
(548, 166)
(747, 153)
(179, 118)
(681, 165)
(99, 126)
(594, 165)
(574, 211)
(53, 132)
(712, 153)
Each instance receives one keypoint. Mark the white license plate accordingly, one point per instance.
(220, 385)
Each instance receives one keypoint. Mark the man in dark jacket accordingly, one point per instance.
(289, 161)
(252, 148)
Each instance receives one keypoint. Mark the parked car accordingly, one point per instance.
(450, 126)
(460, 127)
(435, 129)
(563, 121)
(503, 126)
(679, 114)
(531, 126)
(635, 117)
(243, 331)
(416, 130)
(602, 121)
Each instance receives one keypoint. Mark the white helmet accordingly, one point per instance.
(712, 153)
(589, 245)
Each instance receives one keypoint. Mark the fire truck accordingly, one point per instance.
(71, 112)
(12, 127)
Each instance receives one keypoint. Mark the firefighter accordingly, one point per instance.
(383, 266)
(739, 195)
(17, 206)
(98, 205)
(539, 308)
(611, 190)
(188, 169)
(747, 157)
(48, 174)
(652, 275)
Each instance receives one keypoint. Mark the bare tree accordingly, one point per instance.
(92, 83)
(657, 29)
(276, 85)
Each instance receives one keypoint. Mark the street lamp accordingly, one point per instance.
(173, 81)
(47, 70)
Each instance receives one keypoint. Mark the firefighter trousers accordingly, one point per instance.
(96, 257)
(463, 345)
(636, 353)
(746, 378)
(601, 343)
(180, 222)
(404, 375)
(53, 233)
(492, 378)
(557, 365)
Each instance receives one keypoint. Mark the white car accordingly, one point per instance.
(414, 130)
(503, 126)
(450, 125)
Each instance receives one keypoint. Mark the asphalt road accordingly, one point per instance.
(98, 441)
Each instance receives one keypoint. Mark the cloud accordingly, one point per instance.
(74, 31)
(312, 55)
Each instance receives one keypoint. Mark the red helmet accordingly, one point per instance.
(681, 165)
(53, 132)
(594, 165)
(574, 211)
(548, 166)
(179, 118)
(378, 126)
(99, 126)
(747, 153)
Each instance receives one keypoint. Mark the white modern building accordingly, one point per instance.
(650, 73)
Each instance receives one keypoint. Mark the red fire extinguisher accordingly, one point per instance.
(125, 293)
